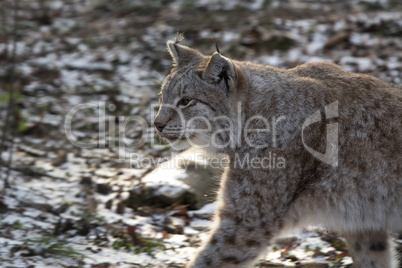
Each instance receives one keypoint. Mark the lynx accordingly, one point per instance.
(339, 135)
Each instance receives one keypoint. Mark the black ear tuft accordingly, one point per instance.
(217, 48)
(182, 55)
(179, 37)
(216, 44)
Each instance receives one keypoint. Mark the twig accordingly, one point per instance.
(5, 37)
(11, 102)
(32, 171)
(4, 23)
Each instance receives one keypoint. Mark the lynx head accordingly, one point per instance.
(197, 99)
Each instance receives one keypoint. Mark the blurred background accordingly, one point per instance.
(84, 182)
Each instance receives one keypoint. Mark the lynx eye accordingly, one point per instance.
(184, 102)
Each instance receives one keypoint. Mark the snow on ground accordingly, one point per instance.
(68, 206)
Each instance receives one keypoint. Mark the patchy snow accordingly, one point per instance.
(363, 64)
(205, 212)
(168, 182)
(77, 58)
(27, 222)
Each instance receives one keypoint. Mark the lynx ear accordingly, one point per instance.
(182, 55)
(219, 68)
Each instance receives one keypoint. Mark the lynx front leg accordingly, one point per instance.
(371, 249)
(250, 214)
(231, 244)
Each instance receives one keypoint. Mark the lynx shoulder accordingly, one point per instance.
(337, 134)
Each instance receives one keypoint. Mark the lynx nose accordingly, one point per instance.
(159, 126)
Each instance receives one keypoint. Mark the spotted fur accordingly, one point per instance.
(360, 197)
